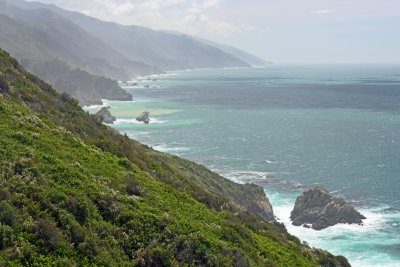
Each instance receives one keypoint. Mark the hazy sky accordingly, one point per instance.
(284, 31)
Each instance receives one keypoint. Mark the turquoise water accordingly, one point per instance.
(288, 128)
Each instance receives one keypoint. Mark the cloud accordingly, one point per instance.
(211, 3)
(324, 11)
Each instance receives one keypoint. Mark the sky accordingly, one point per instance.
(282, 31)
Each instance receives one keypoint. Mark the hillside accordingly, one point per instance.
(54, 36)
(73, 190)
(43, 40)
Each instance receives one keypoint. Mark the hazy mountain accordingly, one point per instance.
(60, 52)
(73, 51)
(238, 53)
(48, 35)
(158, 48)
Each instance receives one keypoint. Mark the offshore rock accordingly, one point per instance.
(318, 209)
(144, 117)
(105, 115)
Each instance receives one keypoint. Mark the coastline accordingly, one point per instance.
(279, 190)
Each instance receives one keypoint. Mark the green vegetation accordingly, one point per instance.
(74, 192)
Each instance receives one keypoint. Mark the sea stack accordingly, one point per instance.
(105, 115)
(317, 209)
(144, 117)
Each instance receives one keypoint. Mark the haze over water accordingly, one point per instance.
(288, 128)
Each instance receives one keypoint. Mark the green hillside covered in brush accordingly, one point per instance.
(73, 192)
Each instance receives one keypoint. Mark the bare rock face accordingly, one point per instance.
(105, 115)
(144, 117)
(318, 209)
(254, 200)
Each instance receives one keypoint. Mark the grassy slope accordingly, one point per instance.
(69, 193)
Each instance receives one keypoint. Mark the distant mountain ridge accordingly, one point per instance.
(242, 55)
(74, 51)
(159, 48)
(44, 41)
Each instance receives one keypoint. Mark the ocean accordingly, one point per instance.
(288, 128)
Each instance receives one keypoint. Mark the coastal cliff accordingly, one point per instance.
(76, 192)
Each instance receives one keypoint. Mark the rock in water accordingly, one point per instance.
(144, 117)
(318, 208)
(105, 115)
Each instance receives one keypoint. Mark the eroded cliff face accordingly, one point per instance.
(318, 209)
(252, 198)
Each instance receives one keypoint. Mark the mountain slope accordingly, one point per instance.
(60, 38)
(78, 83)
(238, 53)
(75, 191)
(168, 51)
(60, 52)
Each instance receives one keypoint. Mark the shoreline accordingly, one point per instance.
(326, 235)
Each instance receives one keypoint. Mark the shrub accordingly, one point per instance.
(65, 97)
(77, 233)
(89, 247)
(3, 86)
(158, 256)
(6, 236)
(49, 233)
(64, 262)
(25, 166)
(125, 163)
(132, 186)
(108, 207)
(78, 208)
(8, 215)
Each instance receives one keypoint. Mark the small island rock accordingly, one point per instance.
(318, 209)
(144, 117)
(105, 115)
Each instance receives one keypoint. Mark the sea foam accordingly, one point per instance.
(353, 241)
(152, 121)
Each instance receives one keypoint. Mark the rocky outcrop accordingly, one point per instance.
(144, 117)
(318, 209)
(254, 200)
(105, 115)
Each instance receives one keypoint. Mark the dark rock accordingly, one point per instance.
(319, 209)
(144, 117)
(105, 115)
